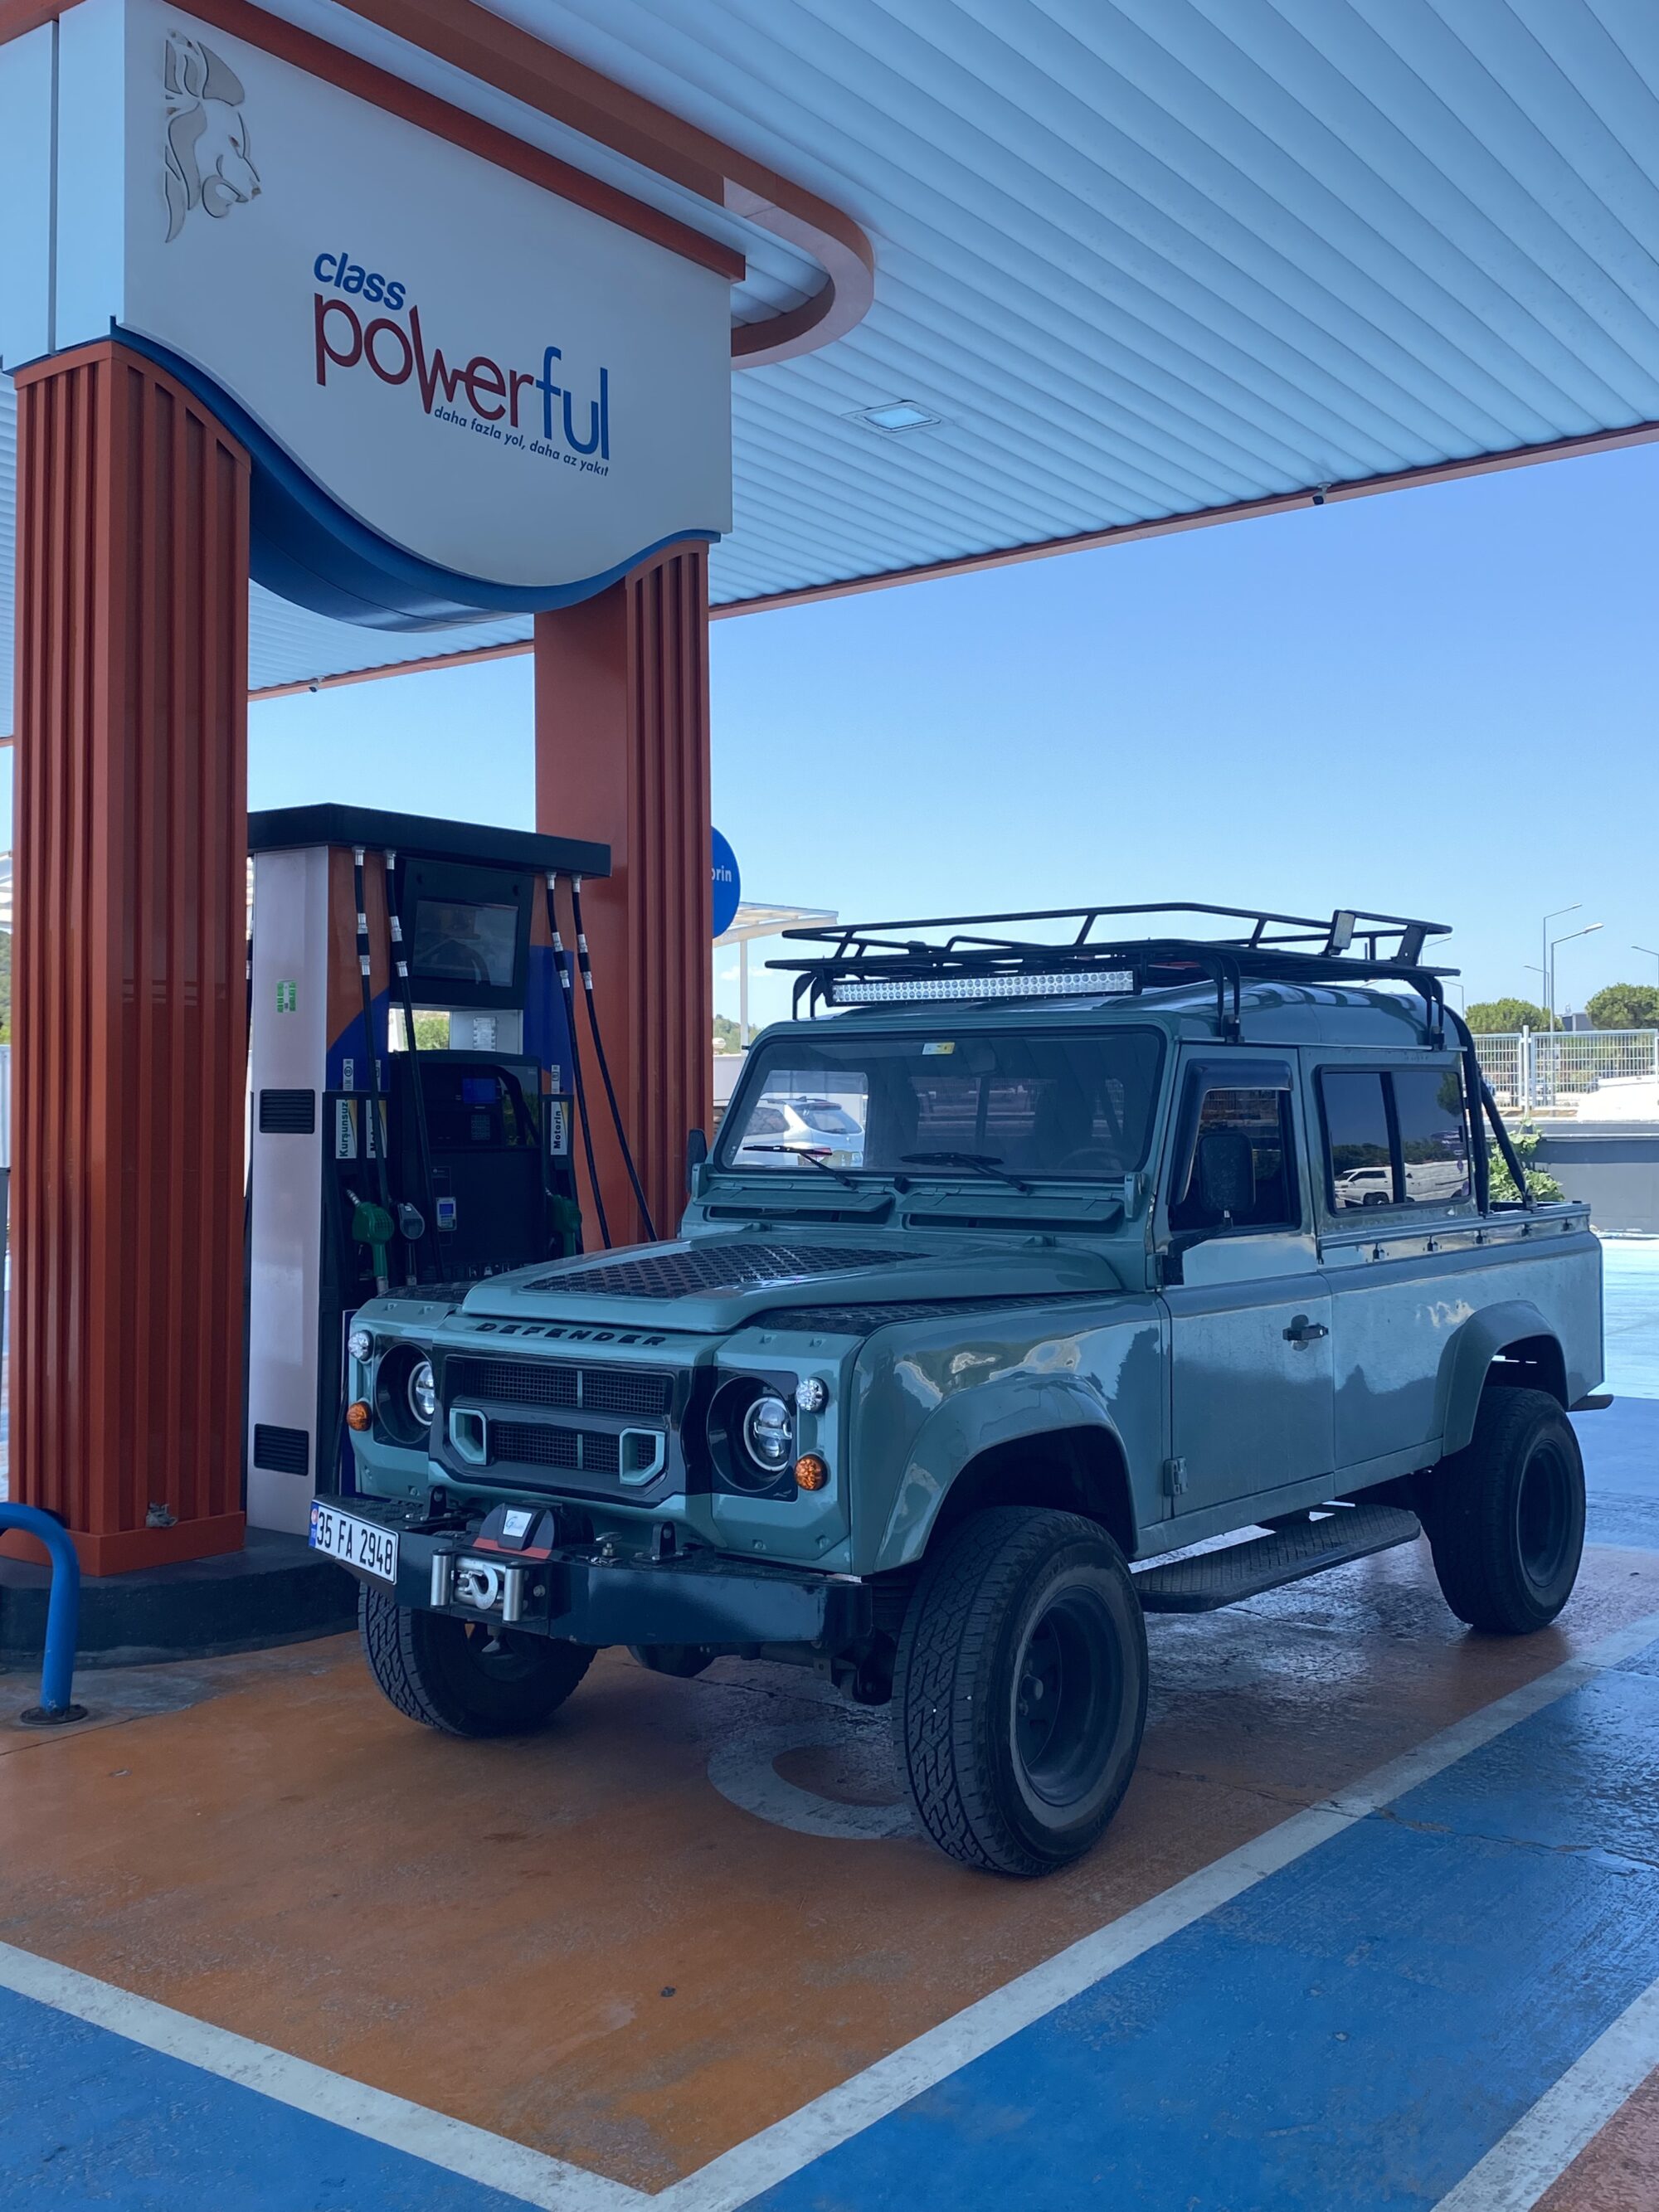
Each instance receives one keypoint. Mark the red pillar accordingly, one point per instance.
(128, 1067)
(622, 756)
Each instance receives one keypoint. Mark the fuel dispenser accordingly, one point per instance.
(376, 1162)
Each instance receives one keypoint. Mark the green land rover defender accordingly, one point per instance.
(1039, 1278)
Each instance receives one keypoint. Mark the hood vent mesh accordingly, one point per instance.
(713, 1266)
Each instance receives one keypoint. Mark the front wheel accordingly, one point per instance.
(1020, 1691)
(1506, 1515)
(462, 1676)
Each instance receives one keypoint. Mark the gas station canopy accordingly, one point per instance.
(1019, 277)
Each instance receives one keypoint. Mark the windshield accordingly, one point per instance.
(1027, 1102)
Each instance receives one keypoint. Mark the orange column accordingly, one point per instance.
(622, 757)
(129, 1066)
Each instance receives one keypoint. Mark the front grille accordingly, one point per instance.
(585, 1451)
(563, 1384)
(714, 1268)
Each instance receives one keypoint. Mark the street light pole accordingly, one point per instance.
(1589, 930)
(1544, 938)
(1652, 956)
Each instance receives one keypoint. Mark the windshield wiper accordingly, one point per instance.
(981, 1163)
(820, 1160)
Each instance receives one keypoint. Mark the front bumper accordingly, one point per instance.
(582, 1594)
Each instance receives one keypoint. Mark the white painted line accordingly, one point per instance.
(741, 1769)
(1542, 2145)
(453, 2145)
(784, 2149)
(791, 2143)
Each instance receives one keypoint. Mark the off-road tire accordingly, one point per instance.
(977, 1614)
(1505, 1515)
(431, 1666)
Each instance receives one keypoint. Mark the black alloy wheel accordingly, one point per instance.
(1020, 1691)
(1505, 1515)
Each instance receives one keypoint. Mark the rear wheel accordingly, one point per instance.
(1506, 1515)
(464, 1676)
(1020, 1691)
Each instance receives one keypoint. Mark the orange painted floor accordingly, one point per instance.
(1619, 2170)
(578, 1943)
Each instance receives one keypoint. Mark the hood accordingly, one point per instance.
(713, 1284)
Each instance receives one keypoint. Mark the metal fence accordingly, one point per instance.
(1544, 1069)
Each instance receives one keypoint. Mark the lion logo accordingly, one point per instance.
(206, 158)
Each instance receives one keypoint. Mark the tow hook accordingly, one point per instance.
(478, 1585)
(481, 1585)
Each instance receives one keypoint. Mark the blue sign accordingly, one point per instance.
(728, 884)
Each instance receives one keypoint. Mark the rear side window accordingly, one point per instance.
(1358, 1150)
(1395, 1137)
(1434, 1137)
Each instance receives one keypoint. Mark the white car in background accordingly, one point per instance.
(820, 1125)
(1428, 1182)
(1372, 1186)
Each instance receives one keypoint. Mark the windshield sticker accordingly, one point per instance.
(928, 1049)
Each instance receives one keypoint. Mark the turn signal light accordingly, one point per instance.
(359, 1415)
(812, 1473)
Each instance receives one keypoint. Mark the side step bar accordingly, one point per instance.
(1204, 1580)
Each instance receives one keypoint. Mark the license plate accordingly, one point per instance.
(355, 1543)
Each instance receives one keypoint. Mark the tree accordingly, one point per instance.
(1625, 1006)
(727, 1037)
(1503, 1016)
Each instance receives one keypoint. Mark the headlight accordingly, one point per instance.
(361, 1345)
(423, 1393)
(769, 1433)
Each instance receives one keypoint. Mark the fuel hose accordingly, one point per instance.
(562, 963)
(406, 992)
(373, 1129)
(586, 967)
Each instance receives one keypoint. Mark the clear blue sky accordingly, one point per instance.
(1439, 702)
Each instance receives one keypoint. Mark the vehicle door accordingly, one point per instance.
(1252, 1406)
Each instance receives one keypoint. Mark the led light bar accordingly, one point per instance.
(1091, 983)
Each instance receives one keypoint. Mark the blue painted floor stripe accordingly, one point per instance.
(92, 2120)
(1355, 2032)
(1620, 1446)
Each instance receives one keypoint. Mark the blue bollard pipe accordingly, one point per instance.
(62, 1617)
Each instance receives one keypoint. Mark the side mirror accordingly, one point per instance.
(697, 1154)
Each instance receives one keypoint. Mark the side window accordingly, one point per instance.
(1240, 1171)
(1358, 1151)
(1434, 1135)
(1394, 1138)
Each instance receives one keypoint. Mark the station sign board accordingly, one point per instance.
(450, 371)
(727, 883)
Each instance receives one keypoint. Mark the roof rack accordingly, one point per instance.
(864, 963)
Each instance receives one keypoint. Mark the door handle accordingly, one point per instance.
(1303, 1331)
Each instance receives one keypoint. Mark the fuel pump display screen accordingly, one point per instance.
(467, 928)
(457, 942)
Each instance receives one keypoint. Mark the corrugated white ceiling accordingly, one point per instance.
(1139, 257)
